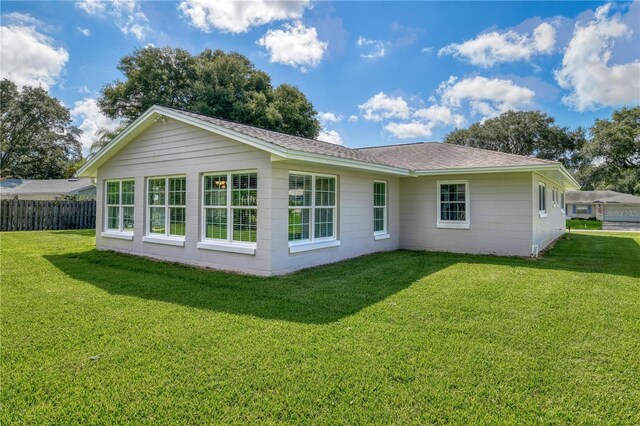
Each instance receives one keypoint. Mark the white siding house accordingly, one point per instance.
(184, 187)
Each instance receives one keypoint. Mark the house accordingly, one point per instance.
(610, 206)
(185, 187)
(46, 189)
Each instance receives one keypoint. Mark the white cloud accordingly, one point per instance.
(481, 92)
(353, 118)
(440, 114)
(488, 49)
(382, 106)
(330, 136)
(427, 49)
(414, 129)
(126, 14)
(28, 57)
(91, 120)
(586, 71)
(239, 16)
(329, 117)
(295, 45)
(376, 48)
(84, 31)
(84, 90)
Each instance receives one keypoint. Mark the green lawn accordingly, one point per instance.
(404, 337)
(578, 224)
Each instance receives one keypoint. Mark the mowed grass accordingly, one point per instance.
(393, 338)
(578, 224)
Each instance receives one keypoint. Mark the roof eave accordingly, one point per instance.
(502, 169)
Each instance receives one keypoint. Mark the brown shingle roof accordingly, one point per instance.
(415, 156)
(436, 155)
(286, 141)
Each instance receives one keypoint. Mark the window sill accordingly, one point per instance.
(169, 241)
(381, 236)
(453, 225)
(117, 235)
(542, 214)
(315, 245)
(228, 247)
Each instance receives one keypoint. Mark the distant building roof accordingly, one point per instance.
(44, 186)
(600, 197)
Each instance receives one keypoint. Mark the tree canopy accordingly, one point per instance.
(223, 85)
(530, 133)
(613, 153)
(37, 140)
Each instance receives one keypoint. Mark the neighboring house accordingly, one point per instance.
(609, 206)
(46, 189)
(189, 188)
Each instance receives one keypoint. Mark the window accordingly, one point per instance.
(312, 207)
(553, 197)
(230, 207)
(582, 209)
(166, 212)
(542, 199)
(379, 207)
(119, 205)
(453, 204)
(562, 206)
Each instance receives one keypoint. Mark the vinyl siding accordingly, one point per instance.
(173, 148)
(546, 229)
(500, 215)
(355, 217)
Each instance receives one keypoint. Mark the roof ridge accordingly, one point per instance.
(251, 125)
(502, 153)
(395, 144)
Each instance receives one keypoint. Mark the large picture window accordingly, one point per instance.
(312, 207)
(379, 207)
(453, 204)
(230, 207)
(119, 204)
(166, 212)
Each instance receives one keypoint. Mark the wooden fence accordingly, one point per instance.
(34, 215)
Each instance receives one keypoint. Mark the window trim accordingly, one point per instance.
(454, 224)
(227, 244)
(165, 238)
(385, 229)
(120, 233)
(562, 201)
(542, 199)
(312, 242)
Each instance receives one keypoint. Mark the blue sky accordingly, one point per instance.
(380, 72)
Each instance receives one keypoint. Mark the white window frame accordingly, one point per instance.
(378, 235)
(562, 206)
(580, 207)
(165, 238)
(454, 224)
(542, 196)
(120, 232)
(312, 242)
(226, 244)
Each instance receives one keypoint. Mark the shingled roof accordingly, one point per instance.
(600, 197)
(437, 155)
(405, 159)
(284, 140)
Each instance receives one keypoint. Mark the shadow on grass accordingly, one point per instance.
(328, 293)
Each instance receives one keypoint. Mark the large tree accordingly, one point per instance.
(37, 140)
(531, 133)
(613, 153)
(224, 85)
